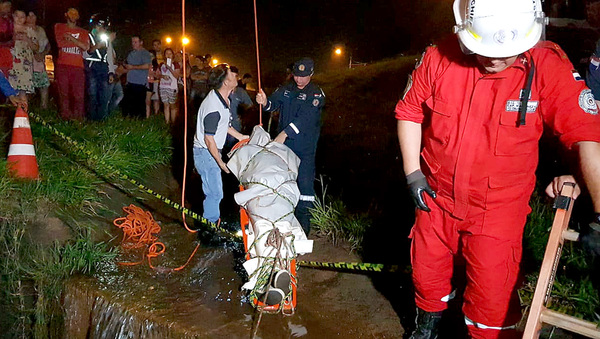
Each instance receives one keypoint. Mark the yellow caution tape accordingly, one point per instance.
(344, 266)
(350, 266)
(115, 172)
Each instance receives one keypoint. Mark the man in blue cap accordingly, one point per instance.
(300, 103)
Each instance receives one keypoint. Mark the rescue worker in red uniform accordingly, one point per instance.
(469, 124)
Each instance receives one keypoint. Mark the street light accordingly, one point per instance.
(185, 40)
(215, 61)
(168, 39)
(338, 51)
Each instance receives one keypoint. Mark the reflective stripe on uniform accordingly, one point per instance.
(449, 296)
(21, 149)
(268, 106)
(294, 128)
(470, 322)
(307, 198)
(91, 58)
(21, 122)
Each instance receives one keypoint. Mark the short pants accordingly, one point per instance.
(168, 95)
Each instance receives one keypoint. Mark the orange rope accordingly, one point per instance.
(139, 227)
(185, 119)
(257, 61)
(139, 230)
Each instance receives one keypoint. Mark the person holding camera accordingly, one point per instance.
(97, 68)
(169, 72)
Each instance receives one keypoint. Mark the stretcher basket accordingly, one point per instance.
(288, 306)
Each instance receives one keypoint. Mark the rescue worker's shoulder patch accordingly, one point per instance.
(320, 93)
(587, 102)
(554, 48)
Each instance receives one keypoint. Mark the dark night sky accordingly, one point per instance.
(369, 29)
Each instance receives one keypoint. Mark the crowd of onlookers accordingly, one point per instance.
(90, 80)
(23, 47)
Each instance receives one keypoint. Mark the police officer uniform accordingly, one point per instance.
(300, 118)
(96, 68)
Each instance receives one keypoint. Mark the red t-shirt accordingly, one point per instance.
(69, 53)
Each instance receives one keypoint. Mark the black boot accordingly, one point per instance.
(427, 325)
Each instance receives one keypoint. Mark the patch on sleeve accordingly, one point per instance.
(408, 86)
(576, 76)
(315, 102)
(587, 102)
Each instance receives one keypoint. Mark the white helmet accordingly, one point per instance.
(498, 28)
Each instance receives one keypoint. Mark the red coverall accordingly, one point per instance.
(482, 166)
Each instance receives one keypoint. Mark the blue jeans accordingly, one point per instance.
(115, 91)
(212, 183)
(98, 96)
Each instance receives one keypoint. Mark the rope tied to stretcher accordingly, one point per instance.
(141, 230)
(274, 190)
(274, 237)
(264, 149)
(267, 172)
(275, 241)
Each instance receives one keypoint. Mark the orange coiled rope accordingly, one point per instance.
(139, 230)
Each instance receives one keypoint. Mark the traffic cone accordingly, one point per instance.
(21, 162)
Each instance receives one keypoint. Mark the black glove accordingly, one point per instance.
(591, 238)
(417, 184)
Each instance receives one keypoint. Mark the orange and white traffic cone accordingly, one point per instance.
(21, 162)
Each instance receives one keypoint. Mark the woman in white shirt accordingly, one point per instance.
(169, 72)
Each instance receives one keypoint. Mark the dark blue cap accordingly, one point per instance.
(304, 67)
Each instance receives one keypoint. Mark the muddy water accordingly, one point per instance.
(204, 300)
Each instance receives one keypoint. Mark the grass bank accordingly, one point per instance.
(31, 274)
